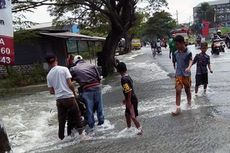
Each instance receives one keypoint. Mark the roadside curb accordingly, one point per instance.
(27, 89)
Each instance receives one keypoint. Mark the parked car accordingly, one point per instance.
(136, 44)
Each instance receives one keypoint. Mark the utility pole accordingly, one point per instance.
(177, 16)
(190, 20)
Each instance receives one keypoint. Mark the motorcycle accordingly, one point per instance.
(218, 46)
(159, 50)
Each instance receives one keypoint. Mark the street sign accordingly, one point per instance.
(6, 33)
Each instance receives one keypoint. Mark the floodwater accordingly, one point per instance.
(31, 120)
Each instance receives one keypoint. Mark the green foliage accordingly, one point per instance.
(225, 30)
(20, 22)
(138, 24)
(91, 32)
(19, 79)
(25, 35)
(159, 25)
(119, 15)
(207, 12)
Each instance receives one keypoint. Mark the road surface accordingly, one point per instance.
(205, 128)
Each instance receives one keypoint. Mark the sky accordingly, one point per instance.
(184, 8)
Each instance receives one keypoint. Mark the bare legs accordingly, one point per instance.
(189, 95)
(197, 88)
(132, 117)
(178, 99)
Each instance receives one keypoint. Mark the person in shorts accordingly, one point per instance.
(130, 101)
(183, 60)
(203, 61)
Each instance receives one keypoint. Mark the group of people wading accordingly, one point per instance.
(60, 82)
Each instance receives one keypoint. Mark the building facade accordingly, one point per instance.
(222, 12)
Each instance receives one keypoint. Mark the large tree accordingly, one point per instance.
(120, 14)
(159, 25)
(206, 12)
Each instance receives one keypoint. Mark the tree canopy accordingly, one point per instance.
(207, 12)
(119, 15)
(159, 25)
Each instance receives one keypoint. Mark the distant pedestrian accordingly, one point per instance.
(172, 49)
(60, 84)
(89, 80)
(153, 45)
(203, 61)
(183, 59)
(130, 101)
(70, 62)
(2, 4)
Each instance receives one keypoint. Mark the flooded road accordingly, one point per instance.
(31, 120)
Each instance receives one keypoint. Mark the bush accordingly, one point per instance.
(19, 79)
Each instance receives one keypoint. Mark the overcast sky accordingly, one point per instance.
(184, 8)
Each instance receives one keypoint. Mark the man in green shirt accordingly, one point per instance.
(172, 49)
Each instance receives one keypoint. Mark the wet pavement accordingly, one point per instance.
(205, 128)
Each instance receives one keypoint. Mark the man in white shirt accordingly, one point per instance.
(60, 84)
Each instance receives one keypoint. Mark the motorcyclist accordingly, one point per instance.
(158, 45)
(153, 45)
(216, 38)
(198, 40)
(219, 33)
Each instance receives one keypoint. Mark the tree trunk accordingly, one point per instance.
(128, 43)
(107, 57)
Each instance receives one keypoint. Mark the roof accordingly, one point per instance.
(215, 2)
(44, 25)
(69, 35)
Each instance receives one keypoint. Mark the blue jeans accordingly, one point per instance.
(93, 101)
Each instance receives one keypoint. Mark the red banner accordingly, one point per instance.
(6, 51)
(6, 33)
(205, 30)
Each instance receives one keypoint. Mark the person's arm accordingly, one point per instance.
(190, 66)
(190, 63)
(209, 65)
(210, 68)
(71, 86)
(51, 89)
(98, 74)
(68, 77)
(128, 90)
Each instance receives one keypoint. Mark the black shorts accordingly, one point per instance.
(201, 79)
(135, 106)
